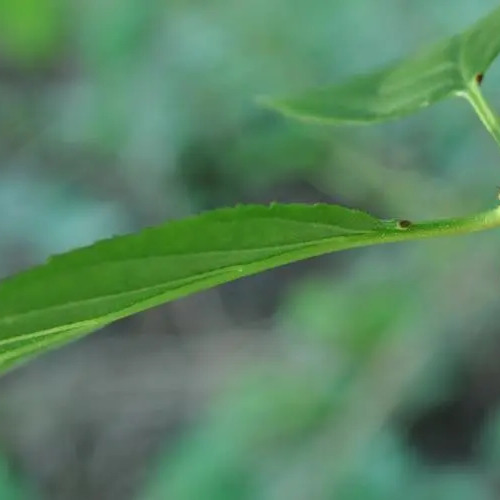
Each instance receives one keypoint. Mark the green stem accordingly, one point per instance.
(444, 227)
(392, 233)
(482, 108)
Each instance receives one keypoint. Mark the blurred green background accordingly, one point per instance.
(365, 375)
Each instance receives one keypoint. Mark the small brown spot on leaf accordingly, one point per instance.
(404, 224)
(479, 78)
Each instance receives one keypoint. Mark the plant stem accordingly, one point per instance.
(391, 233)
(431, 229)
(483, 110)
(457, 225)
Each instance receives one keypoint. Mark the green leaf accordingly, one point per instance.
(85, 289)
(90, 287)
(447, 69)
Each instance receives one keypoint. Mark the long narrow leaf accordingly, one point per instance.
(85, 289)
(90, 287)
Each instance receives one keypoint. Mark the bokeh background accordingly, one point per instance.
(368, 374)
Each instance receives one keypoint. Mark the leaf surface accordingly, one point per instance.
(446, 69)
(88, 288)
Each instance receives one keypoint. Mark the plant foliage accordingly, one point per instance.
(85, 289)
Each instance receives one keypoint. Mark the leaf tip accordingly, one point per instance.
(284, 106)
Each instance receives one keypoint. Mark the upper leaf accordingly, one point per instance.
(448, 68)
